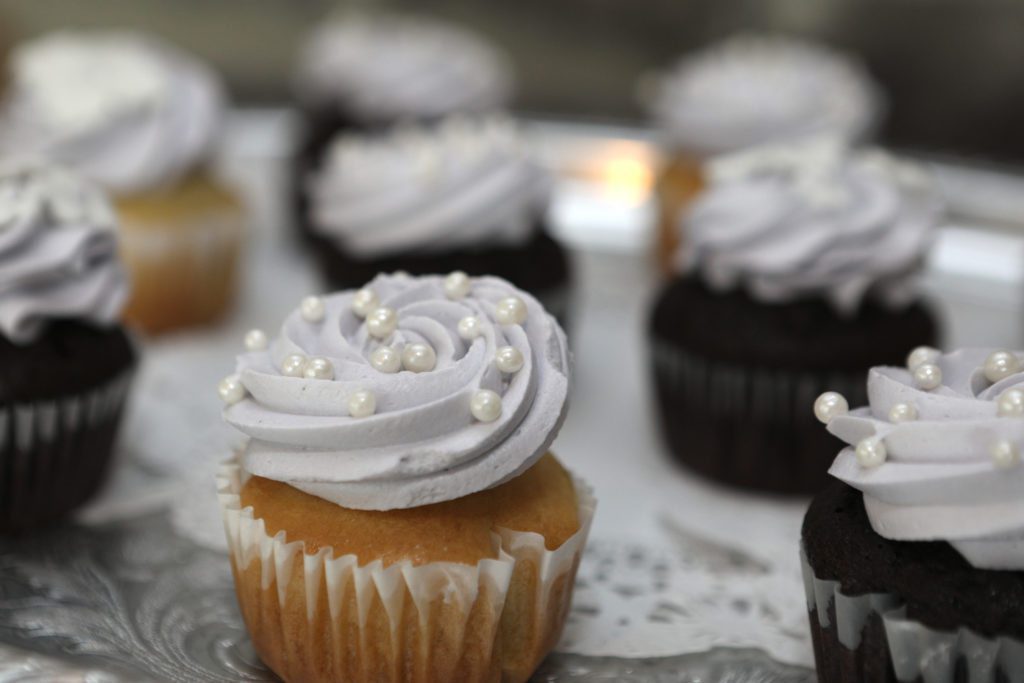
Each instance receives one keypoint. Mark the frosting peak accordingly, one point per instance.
(812, 219)
(127, 110)
(463, 183)
(408, 392)
(944, 442)
(58, 252)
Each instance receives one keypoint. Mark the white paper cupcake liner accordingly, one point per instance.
(320, 618)
(916, 652)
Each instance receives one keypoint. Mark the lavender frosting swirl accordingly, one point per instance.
(58, 252)
(812, 219)
(424, 443)
(466, 182)
(755, 90)
(127, 110)
(953, 473)
(383, 68)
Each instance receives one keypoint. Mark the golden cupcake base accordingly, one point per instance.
(680, 181)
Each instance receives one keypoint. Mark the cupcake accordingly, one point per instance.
(463, 195)
(65, 364)
(141, 118)
(745, 92)
(914, 555)
(797, 274)
(396, 514)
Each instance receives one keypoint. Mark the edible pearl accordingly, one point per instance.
(1010, 403)
(470, 327)
(313, 309)
(294, 365)
(509, 359)
(922, 355)
(1000, 365)
(382, 321)
(511, 311)
(928, 376)
(319, 368)
(255, 340)
(485, 405)
(830, 405)
(364, 301)
(456, 285)
(386, 359)
(902, 412)
(871, 453)
(231, 389)
(362, 404)
(418, 357)
(1005, 454)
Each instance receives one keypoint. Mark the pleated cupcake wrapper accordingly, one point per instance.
(915, 651)
(53, 452)
(443, 621)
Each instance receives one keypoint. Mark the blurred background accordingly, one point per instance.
(953, 69)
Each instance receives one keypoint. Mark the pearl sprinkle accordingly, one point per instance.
(511, 311)
(318, 368)
(418, 357)
(364, 302)
(1010, 403)
(509, 359)
(457, 285)
(313, 309)
(1005, 454)
(871, 453)
(231, 390)
(902, 412)
(927, 376)
(1000, 365)
(485, 405)
(830, 405)
(256, 340)
(922, 355)
(386, 359)
(470, 327)
(362, 404)
(381, 322)
(294, 365)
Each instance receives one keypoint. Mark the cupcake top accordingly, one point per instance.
(754, 90)
(58, 252)
(129, 111)
(466, 182)
(413, 390)
(814, 219)
(937, 452)
(384, 68)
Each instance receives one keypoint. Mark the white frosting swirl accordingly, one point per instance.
(812, 219)
(939, 481)
(754, 90)
(466, 182)
(423, 444)
(384, 68)
(127, 110)
(58, 252)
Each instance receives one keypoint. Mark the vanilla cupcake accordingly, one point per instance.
(750, 91)
(141, 118)
(65, 364)
(797, 273)
(465, 194)
(396, 514)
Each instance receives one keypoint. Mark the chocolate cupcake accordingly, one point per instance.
(396, 514)
(463, 195)
(796, 275)
(746, 92)
(65, 365)
(142, 119)
(914, 557)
